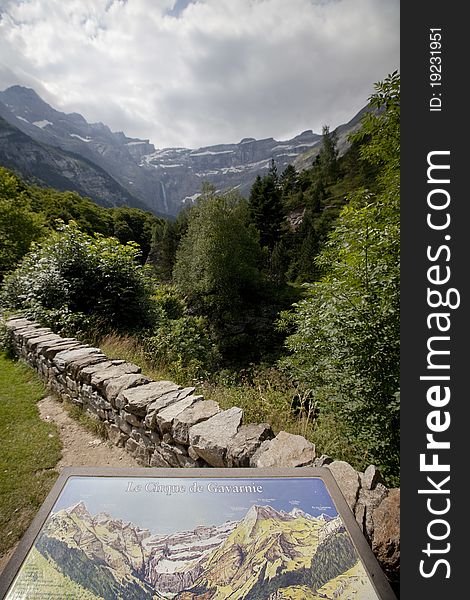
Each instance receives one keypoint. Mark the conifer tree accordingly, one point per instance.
(266, 207)
(289, 181)
(328, 157)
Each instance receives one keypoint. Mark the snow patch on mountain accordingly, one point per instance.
(211, 153)
(43, 123)
(79, 137)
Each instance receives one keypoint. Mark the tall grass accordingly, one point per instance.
(265, 395)
(131, 349)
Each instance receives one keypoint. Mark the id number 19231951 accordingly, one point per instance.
(435, 69)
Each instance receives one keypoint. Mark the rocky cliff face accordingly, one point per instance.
(45, 165)
(181, 171)
(162, 180)
(305, 160)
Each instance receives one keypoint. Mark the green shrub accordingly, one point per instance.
(218, 260)
(167, 302)
(180, 342)
(73, 279)
(183, 346)
(6, 340)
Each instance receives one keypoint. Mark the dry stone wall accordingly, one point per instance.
(163, 424)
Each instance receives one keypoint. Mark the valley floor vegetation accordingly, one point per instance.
(285, 304)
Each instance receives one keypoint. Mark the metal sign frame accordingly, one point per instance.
(377, 578)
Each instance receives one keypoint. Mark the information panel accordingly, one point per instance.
(183, 534)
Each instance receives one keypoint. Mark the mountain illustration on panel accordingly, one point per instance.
(269, 554)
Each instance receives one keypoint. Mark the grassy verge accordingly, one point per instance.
(29, 451)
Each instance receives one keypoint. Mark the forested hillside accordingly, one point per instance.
(289, 298)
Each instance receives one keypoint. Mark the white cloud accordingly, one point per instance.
(200, 72)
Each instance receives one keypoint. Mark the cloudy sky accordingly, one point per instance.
(199, 72)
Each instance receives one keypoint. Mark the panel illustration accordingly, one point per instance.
(182, 538)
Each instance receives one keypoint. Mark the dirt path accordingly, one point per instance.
(80, 448)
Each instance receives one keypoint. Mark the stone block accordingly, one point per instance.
(116, 436)
(192, 453)
(131, 419)
(63, 358)
(75, 366)
(186, 462)
(369, 500)
(43, 345)
(71, 384)
(137, 451)
(347, 479)
(246, 442)
(386, 538)
(138, 399)
(143, 439)
(210, 438)
(16, 322)
(66, 344)
(163, 457)
(162, 402)
(200, 411)
(360, 515)
(30, 334)
(87, 373)
(371, 478)
(100, 378)
(116, 385)
(153, 436)
(123, 425)
(285, 450)
(166, 416)
(33, 343)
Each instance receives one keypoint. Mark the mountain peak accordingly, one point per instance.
(22, 94)
(78, 509)
(21, 89)
(25, 103)
(325, 517)
(298, 512)
(261, 513)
